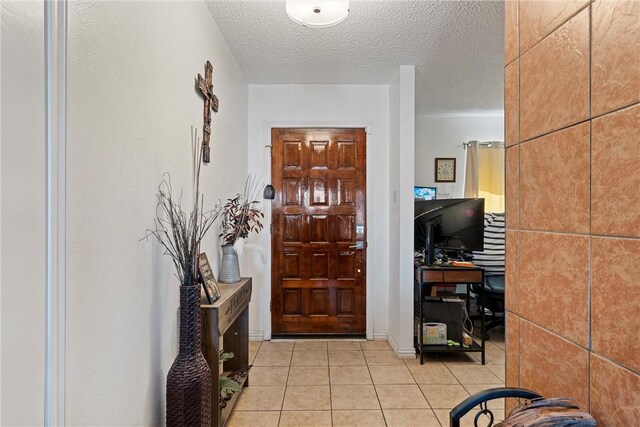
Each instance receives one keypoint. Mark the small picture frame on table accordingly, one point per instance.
(207, 279)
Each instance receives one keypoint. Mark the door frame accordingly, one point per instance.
(369, 194)
(56, 24)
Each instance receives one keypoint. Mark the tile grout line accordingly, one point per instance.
(570, 233)
(424, 395)
(553, 30)
(518, 222)
(330, 387)
(576, 123)
(286, 384)
(613, 362)
(554, 130)
(590, 279)
(421, 391)
(554, 232)
(556, 334)
(375, 389)
(616, 110)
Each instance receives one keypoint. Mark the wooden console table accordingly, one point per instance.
(426, 278)
(227, 318)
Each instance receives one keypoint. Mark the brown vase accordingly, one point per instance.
(189, 379)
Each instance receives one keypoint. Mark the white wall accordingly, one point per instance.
(131, 98)
(400, 261)
(1, 17)
(23, 214)
(324, 105)
(394, 206)
(443, 137)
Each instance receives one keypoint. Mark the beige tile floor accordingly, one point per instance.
(361, 383)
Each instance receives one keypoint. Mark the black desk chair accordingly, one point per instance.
(494, 302)
(492, 259)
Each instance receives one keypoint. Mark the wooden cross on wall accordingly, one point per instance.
(205, 87)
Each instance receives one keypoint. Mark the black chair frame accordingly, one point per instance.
(494, 302)
(481, 399)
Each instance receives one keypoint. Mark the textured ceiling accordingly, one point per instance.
(456, 46)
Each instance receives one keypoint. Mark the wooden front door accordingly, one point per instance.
(318, 271)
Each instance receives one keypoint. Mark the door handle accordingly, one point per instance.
(359, 245)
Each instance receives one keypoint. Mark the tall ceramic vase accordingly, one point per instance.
(189, 379)
(229, 268)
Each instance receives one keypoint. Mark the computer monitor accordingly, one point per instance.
(456, 224)
(424, 193)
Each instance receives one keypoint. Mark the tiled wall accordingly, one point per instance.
(572, 130)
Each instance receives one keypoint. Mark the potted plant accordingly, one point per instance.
(240, 216)
(180, 233)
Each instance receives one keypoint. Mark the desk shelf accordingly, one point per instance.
(427, 278)
(430, 348)
(225, 412)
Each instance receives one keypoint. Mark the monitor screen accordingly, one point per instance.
(458, 223)
(424, 193)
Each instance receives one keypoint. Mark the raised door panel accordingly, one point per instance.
(346, 155)
(292, 228)
(318, 192)
(319, 266)
(346, 192)
(346, 302)
(345, 228)
(319, 229)
(319, 302)
(319, 155)
(292, 191)
(292, 155)
(346, 265)
(292, 302)
(290, 265)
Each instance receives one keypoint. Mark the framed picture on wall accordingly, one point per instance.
(445, 169)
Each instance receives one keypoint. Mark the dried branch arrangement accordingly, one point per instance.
(241, 214)
(178, 232)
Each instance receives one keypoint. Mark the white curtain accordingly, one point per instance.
(484, 175)
(491, 178)
(471, 174)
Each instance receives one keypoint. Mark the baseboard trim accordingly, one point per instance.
(406, 353)
(380, 335)
(394, 346)
(403, 353)
(256, 336)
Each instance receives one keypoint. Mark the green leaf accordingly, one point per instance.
(224, 357)
(228, 386)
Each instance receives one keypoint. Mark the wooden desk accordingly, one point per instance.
(427, 277)
(228, 318)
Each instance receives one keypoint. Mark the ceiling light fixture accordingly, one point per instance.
(317, 13)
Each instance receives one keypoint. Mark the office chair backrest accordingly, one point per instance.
(492, 258)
